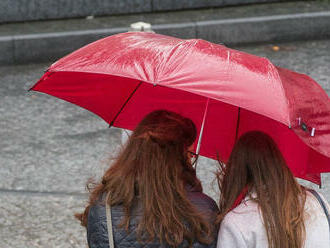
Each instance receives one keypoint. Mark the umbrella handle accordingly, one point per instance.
(202, 127)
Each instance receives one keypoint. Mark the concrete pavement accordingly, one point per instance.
(49, 148)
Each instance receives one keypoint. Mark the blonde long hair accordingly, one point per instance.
(257, 163)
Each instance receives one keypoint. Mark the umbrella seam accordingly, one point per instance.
(283, 91)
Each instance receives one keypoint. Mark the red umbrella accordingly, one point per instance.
(123, 77)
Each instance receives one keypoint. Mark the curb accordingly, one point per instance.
(42, 47)
(34, 10)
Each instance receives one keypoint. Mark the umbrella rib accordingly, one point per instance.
(125, 103)
(237, 124)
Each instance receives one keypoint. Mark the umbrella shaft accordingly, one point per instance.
(202, 127)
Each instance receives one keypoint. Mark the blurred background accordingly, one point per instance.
(50, 148)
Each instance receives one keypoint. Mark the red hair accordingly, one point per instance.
(154, 166)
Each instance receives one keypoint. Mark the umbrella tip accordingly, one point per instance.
(141, 27)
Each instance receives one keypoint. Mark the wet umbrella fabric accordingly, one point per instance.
(123, 77)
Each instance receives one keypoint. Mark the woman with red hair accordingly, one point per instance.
(155, 197)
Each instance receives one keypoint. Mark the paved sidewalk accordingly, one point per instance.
(49, 148)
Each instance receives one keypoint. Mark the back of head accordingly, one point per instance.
(153, 168)
(257, 163)
(156, 149)
(166, 127)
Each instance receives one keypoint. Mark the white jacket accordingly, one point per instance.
(243, 226)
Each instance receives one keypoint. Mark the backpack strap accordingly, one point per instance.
(322, 203)
(109, 221)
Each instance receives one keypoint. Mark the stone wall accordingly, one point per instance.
(29, 10)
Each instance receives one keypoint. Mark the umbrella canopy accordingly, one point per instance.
(123, 77)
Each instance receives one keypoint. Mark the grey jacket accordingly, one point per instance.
(97, 233)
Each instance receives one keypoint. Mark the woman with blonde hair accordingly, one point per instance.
(262, 205)
(155, 197)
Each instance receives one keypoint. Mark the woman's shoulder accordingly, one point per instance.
(202, 200)
(243, 227)
(246, 212)
(316, 223)
(243, 215)
(313, 207)
(311, 198)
